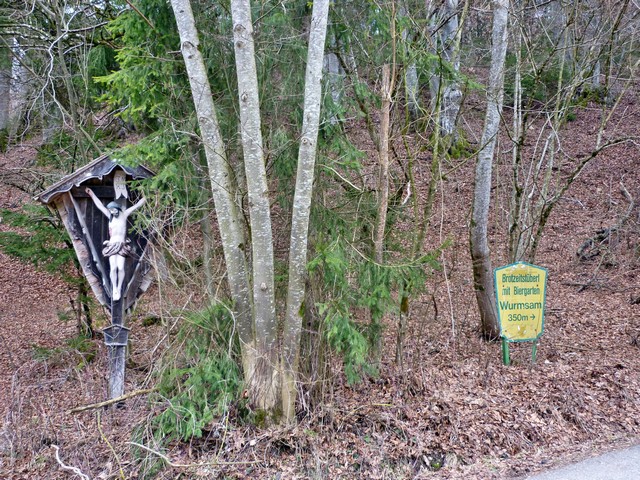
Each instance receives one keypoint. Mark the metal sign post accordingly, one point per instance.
(520, 297)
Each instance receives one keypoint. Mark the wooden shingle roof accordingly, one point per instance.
(98, 168)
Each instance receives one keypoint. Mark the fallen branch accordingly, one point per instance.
(591, 247)
(106, 403)
(75, 470)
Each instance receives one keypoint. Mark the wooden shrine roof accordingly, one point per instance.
(98, 168)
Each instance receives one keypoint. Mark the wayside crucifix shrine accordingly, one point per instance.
(96, 208)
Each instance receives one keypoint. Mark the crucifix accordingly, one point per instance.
(117, 247)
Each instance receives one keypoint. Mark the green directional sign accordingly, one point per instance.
(520, 297)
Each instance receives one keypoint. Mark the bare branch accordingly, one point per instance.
(106, 403)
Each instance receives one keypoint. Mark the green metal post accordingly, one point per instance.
(505, 352)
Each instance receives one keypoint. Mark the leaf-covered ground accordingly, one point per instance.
(450, 411)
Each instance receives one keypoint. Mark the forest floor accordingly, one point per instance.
(452, 410)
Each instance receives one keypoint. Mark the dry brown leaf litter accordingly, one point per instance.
(453, 411)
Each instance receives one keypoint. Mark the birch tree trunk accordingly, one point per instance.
(263, 385)
(480, 254)
(227, 212)
(302, 205)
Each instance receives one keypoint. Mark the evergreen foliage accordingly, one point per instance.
(354, 285)
(44, 243)
(202, 377)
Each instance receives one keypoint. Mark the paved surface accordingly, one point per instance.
(620, 465)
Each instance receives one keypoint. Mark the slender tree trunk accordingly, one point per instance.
(480, 254)
(18, 87)
(411, 85)
(412, 90)
(383, 159)
(445, 91)
(5, 87)
(302, 206)
(264, 384)
(451, 94)
(518, 129)
(227, 212)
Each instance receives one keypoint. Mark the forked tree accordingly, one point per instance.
(269, 352)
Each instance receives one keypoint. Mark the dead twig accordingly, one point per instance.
(106, 403)
(75, 470)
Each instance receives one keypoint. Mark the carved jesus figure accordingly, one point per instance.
(117, 248)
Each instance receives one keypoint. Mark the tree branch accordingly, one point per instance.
(106, 403)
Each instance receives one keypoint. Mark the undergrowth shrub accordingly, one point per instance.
(355, 289)
(202, 378)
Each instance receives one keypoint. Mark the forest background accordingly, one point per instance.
(453, 137)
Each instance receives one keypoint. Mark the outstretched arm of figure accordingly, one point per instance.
(135, 206)
(98, 203)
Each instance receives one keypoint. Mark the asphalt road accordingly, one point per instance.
(620, 465)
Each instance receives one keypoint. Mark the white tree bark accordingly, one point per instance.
(480, 254)
(264, 384)
(411, 84)
(335, 78)
(227, 212)
(18, 88)
(412, 90)
(302, 205)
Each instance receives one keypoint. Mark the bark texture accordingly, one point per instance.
(451, 94)
(480, 254)
(383, 161)
(445, 91)
(227, 212)
(264, 383)
(302, 205)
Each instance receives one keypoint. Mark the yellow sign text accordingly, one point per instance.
(520, 297)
